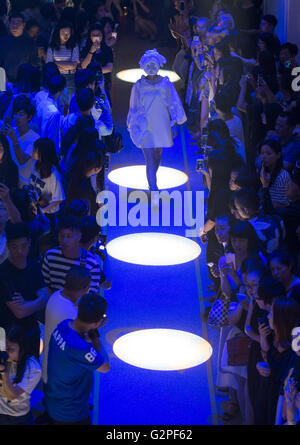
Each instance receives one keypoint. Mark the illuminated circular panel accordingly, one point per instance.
(153, 249)
(162, 349)
(134, 177)
(134, 75)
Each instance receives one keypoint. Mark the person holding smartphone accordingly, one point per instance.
(75, 351)
(272, 175)
(18, 377)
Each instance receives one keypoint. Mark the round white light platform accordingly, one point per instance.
(162, 349)
(134, 177)
(134, 75)
(153, 249)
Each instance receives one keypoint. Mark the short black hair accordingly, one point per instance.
(83, 78)
(56, 84)
(90, 229)
(69, 222)
(23, 103)
(291, 47)
(245, 230)
(77, 278)
(91, 308)
(271, 19)
(28, 78)
(224, 100)
(16, 15)
(78, 208)
(282, 256)
(248, 198)
(15, 231)
(31, 23)
(269, 289)
(85, 99)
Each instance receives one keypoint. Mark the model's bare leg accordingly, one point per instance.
(152, 158)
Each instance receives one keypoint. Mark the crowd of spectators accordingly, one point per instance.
(244, 115)
(56, 125)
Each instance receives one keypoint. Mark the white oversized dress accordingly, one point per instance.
(154, 109)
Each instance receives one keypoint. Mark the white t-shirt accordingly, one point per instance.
(21, 405)
(236, 129)
(51, 185)
(58, 309)
(26, 143)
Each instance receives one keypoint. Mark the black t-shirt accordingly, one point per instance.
(27, 282)
(14, 51)
(247, 18)
(104, 57)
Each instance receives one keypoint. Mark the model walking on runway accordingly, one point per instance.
(155, 108)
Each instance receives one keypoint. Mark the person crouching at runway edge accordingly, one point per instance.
(155, 108)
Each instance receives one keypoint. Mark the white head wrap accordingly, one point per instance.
(152, 61)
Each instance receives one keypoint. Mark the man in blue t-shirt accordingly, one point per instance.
(75, 352)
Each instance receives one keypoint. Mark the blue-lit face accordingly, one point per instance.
(151, 68)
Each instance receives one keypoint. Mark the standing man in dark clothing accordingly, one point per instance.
(16, 48)
(22, 289)
(290, 214)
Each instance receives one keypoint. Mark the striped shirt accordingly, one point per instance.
(278, 189)
(63, 55)
(56, 266)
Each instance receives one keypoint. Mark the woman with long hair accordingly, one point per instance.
(283, 317)
(45, 177)
(85, 178)
(245, 244)
(20, 375)
(9, 174)
(272, 174)
(64, 51)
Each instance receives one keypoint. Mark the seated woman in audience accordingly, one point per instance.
(272, 174)
(282, 268)
(64, 51)
(19, 376)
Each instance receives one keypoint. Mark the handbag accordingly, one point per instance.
(238, 350)
(113, 143)
(218, 315)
